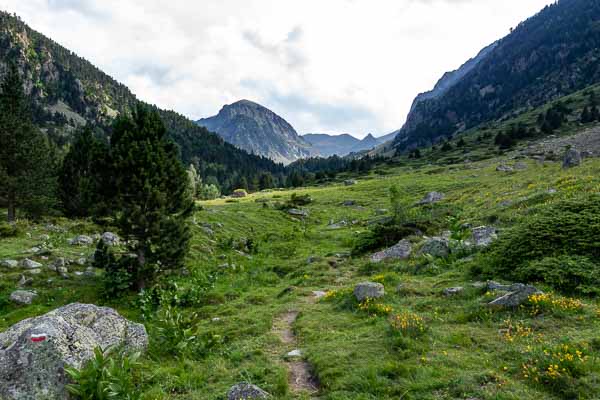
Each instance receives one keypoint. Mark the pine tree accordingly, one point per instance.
(585, 115)
(85, 176)
(28, 161)
(152, 194)
(266, 181)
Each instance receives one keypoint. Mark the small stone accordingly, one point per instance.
(90, 272)
(294, 354)
(24, 281)
(432, 197)
(453, 291)
(81, 240)
(349, 203)
(246, 391)
(63, 272)
(369, 290)
(82, 262)
(504, 168)
(521, 166)
(30, 264)
(298, 213)
(350, 182)
(318, 294)
(110, 239)
(35, 271)
(44, 237)
(22, 296)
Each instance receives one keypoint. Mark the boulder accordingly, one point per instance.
(35, 351)
(293, 354)
(25, 281)
(453, 291)
(110, 239)
(436, 247)
(30, 264)
(246, 391)
(400, 251)
(515, 298)
(504, 168)
(521, 166)
(572, 159)
(350, 182)
(9, 264)
(484, 235)
(495, 286)
(56, 264)
(432, 197)
(368, 290)
(81, 240)
(297, 213)
(22, 296)
(349, 203)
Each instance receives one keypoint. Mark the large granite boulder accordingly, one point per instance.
(369, 290)
(436, 247)
(515, 298)
(35, 352)
(572, 159)
(400, 251)
(246, 391)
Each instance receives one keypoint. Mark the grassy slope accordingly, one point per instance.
(355, 356)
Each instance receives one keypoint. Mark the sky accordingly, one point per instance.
(326, 66)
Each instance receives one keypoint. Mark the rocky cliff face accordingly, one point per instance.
(258, 130)
(552, 54)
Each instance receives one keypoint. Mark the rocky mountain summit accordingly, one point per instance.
(258, 130)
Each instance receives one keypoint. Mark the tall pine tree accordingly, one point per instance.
(28, 161)
(85, 176)
(152, 194)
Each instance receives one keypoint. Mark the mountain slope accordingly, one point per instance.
(325, 145)
(258, 130)
(550, 55)
(67, 91)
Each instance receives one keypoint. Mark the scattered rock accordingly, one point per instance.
(35, 351)
(298, 213)
(9, 264)
(515, 298)
(368, 290)
(436, 247)
(81, 240)
(350, 182)
(30, 264)
(338, 225)
(35, 271)
(521, 166)
(44, 237)
(453, 291)
(246, 391)
(318, 294)
(349, 203)
(504, 168)
(56, 264)
(294, 354)
(484, 235)
(110, 239)
(54, 228)
(552, 191)
(495, 286)
(63, 272)
(432, 197)
(22, 297)
(572, 159)
(81, 262)
(400, 251)
(24, 281)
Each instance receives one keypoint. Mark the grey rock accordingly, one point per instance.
(350, 182)
(432, 197)
(521, 166)
(25, 281)
(9, 264)
(453, 291)
(22, 297)
(368, 290)
(35, 271)
(338, 225)
(35, 352)
(572, 158)
(63, 272)
(504, 168)
(296, 353)
(30, 264)
(246, 391)
(110, 239)
(90, 272)
(319, 294)
(81, 240)
(44, 237)
(56, 264)
(349, 203)
(208, 231)
(400, 251)
(515, 298)
(495, 286)
(484, 235)
(298, 213)
(54, 228)
(436, 247)
(82, 262)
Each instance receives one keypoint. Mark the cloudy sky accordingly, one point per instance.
(329, 66)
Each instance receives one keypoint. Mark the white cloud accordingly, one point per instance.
(326, 66)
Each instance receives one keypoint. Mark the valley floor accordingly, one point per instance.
(255, 301)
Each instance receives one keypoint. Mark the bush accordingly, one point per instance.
(571, 227)
(109, 375)
(119, 276)
(9, 230)
(567, 274)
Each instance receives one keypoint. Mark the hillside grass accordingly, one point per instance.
(464, 351)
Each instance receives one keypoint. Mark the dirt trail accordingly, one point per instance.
(300, 378)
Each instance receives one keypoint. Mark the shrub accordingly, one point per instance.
(567, 274)
(119, 276)
(9, 230)
(109, 375)
(571, 227)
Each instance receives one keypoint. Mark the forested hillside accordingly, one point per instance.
(67, 91)
(552, 54)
